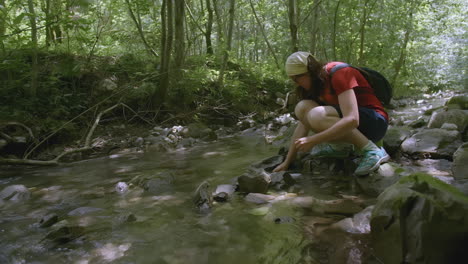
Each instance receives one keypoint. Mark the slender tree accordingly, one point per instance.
(292, 15)
(179, 46)
(228, 42)
(3, 15)
(209, 28)
(34, 67)
(137, 20)
(167, 35)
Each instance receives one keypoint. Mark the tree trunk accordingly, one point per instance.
(219, 23)
(34, 67)
(166, 47)
(401, 61)
(179, 9)
(229, 42)
(209, 28)
(314, 28)
(335, 24)
(292, 14)
(3, 15)
(264, 35)
(48, 20)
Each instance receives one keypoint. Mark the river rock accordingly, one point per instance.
(224, 192)
(394, 137)
(449, 126)
(63, 232)
(455, 116)
(48, 220)
(460, 102)
(460, 162)
(15, 193)
(161, 184)
(435, 143)
(318, 206)
(420, 220)
(358, 224)
(376, 182)
(121, 187)
(255, 180)
(84, 211)
(202, 198)
(259, 198)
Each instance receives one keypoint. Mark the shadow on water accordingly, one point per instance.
(165, 227)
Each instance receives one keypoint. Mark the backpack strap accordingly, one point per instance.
(338, 67)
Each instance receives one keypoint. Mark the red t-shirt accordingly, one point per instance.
(350, 78)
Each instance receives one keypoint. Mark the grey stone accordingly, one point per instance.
(455, 116)
(203, 198)
(224, 192)
(434, 143)
(255, 180)
(449, 126)
(420, 220)
(162, 183)
(460, 162)
(15, 193)
(63, 232)
(84, 211)
(259, 198)
(394, 137)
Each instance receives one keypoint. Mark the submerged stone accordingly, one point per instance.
(15, 193)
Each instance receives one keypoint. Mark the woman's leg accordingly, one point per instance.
(318, 118)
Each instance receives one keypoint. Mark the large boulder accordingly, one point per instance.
(420, 220)
(460, 101)
(460, 164)
(455, 116)
(434, 143)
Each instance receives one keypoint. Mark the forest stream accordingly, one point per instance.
(138, 208)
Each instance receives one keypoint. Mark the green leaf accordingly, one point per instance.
(19, 18)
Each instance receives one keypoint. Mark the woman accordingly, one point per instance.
(342, 108)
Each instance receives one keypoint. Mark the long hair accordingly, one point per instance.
(318, 76)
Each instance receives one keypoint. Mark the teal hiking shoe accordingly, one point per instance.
(371, 161)
(332, 151)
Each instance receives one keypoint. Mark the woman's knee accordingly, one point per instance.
(321, 117)
(303, 107)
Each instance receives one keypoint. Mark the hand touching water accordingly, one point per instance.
(304, 144)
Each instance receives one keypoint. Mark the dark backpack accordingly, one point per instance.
(382, 88)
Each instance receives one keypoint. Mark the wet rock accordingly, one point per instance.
(358, 224)
(284, 220)
(202, 197)
(126, 218)
(420, 220)
(48, 220)
(420, 122)
(460, 162)
(434, 143)
(224, 192)
(455, 116)
(255, 180)
(84, 211)
(245, 124)
(436, 168)
(63, 232)
(283, 120)
(161, 184)
(259, 198)
(15, 193)
(394, 137)
(460, 102)
(449, 126)
(318, 206)
(121, 187)
(376, 182)
(138, 142)
(198, 130)
(270, 163)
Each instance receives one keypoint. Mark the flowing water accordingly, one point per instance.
(168, 228)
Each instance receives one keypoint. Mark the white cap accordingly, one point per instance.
(297, 63)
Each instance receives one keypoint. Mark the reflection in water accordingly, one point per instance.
(135, 226)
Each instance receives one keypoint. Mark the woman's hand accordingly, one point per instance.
(304, 144)
(282, 167)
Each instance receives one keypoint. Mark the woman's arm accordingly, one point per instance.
(299, 132)
(350, 120)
